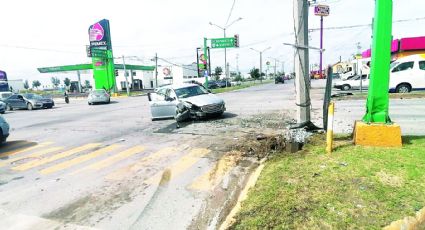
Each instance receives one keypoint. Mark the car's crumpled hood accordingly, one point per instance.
(205, 99)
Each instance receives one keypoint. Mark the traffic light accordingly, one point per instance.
(116, 73)
(237, 40)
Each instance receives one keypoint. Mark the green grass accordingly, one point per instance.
(360, 96)
(354, 188)
(237, 87)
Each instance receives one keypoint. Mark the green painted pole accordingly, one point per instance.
(378, 96)
(206, 58)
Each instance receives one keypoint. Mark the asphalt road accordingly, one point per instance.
(110, 167)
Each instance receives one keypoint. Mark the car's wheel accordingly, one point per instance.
(403, 88)
(9, 108)
(109, 101)
(89, 103)
(346, 87)
(29, 106)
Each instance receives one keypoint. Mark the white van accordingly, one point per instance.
(407, 74)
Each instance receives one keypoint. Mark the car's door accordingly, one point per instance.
(422, 74)
(12, 101)
(365, 81)
(21, 102)
(163, 103)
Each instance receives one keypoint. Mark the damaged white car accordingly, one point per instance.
(185, 101)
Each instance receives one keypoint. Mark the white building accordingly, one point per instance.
(145, 79)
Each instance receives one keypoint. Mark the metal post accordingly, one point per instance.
(125, 75)
(206, 58)
(302, 62)
(156, 70)
(275, 63)
(378, 97)
(261, 67)
(321, 47)
(225, 58)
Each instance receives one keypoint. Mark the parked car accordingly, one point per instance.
(407, 74)
(2, 107)
(278, 80)
(28, 101)
(4, 130)
(199, 101)
(213, 84)
(353, 83)
(98, 96)
(5, 95)
(224, 83)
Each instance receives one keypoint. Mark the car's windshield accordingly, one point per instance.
(98, 92)
(190, 91)
(32, 96)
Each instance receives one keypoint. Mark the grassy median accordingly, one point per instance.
(242, 86)
(354, 188)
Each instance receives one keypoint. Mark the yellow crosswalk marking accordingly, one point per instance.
(33, 155)
(35, 163)
(122, 172)
(24, 149)
(178, 167)
(77, 160)
(211, 178)
(111, 160)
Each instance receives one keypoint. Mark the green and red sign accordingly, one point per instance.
(100, 50)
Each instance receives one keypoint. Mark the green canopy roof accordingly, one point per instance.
(77, 67)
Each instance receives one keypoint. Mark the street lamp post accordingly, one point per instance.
(224, 28)
(261, 60)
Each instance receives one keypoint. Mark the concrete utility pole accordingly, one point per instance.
(302, 82)
(126, 76)
(156, 70)
(261, 61)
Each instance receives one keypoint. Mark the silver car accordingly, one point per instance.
(98, 96)
(4, 129)
(168, 101)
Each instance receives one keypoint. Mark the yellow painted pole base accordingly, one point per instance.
(378, 135)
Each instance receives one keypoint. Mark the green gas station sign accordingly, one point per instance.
(100, 49)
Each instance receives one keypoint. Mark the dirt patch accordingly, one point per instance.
(390, 180)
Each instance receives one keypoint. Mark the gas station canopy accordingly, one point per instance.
(79, 67)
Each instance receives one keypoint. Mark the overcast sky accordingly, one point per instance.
(51, 32)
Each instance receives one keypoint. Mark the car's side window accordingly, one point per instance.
(403, 66)
(422, 65)
(171, 93)
(13, 97)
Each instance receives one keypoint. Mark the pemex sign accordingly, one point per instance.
(100, 50)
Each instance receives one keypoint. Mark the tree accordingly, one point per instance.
(67, 82)
(239, 77)
(55, 81)
(218, 71)
(36, 84)
(87, 84)
(26, 84)
(255, 73)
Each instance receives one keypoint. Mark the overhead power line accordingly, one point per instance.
(364, 25)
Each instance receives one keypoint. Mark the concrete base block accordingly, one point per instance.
(378, 135)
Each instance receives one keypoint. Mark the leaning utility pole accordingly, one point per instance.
(126, 76)
(302, 82)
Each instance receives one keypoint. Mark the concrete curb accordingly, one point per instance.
(409, 223)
